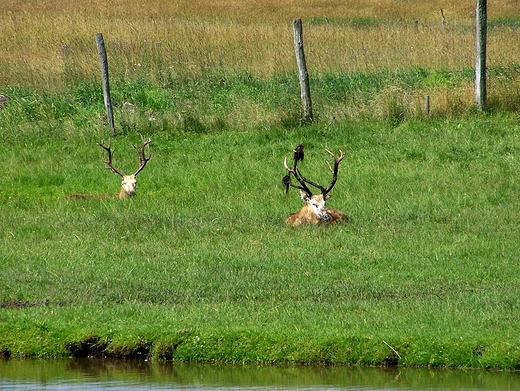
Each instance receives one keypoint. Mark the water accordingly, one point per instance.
(115, 375)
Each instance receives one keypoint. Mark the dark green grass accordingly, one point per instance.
(199, 266)
(224, 101)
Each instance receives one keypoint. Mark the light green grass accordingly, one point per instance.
(199, 266)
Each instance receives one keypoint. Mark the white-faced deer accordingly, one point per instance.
(128, 182)
(314, 211)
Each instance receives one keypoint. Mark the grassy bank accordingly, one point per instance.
(199, 265)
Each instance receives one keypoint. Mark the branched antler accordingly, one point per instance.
(143, 159)
(108, 162)
(298, 155)
(334, 171)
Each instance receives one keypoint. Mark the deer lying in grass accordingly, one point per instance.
(314, 211)
(128, 182)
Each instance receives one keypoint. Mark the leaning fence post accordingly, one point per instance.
(104, 74)
(303, 75)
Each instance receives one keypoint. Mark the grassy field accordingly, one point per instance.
(50, 46)
(199, 265)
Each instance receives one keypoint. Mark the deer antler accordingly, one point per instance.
(304, 181)
(109, 161)
(298, 155)
(334, 171)
(143, 159)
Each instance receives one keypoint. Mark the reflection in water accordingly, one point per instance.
(98, 374)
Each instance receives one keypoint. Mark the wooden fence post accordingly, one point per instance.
(303, 75)
(104, 74)
(480, 60)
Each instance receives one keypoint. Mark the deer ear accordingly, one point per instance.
(304, 195)
(326, 197)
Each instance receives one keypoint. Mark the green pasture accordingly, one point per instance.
(199, 265)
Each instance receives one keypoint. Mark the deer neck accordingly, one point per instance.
(123, 193)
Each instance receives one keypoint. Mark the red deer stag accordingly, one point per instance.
(314, 211)
(129, 182)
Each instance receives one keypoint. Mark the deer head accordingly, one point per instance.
(128, 182)
(314, 211)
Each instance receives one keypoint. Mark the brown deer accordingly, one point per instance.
(314, 211)
(128, 182)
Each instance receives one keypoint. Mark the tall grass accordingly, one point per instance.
(50, 45)
(242, 101)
